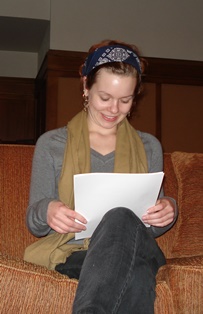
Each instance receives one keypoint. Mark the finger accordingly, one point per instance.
(65, 230)
(77, 225)
(157, 220)
(161, 214)
(75, 215)
(161, 224)
(67, 213)
(155, 208)
(64, 224)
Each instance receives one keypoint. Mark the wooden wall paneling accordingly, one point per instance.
(51, 102)
(178, 82)
(57, 66)
(65, 62)
(144, 117)
(170, 71)
(70, 100)
(182, 118)
(158, 111)
(17, 110)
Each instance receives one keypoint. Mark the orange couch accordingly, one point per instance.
(28, 288)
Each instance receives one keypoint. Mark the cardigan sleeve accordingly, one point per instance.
(46, 167)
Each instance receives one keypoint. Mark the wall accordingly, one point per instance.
(182, 118)
(39, 9)
(165, 29)
(160, 28)
(18, 64)
(43, 49)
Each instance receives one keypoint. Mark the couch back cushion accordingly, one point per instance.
(28, 288)
(15, 170)
(188, 168)
(184, 182)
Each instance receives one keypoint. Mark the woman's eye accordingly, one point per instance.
(104, 99)
(125, 101)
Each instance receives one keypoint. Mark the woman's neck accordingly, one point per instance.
(102, 140)
(102, 143)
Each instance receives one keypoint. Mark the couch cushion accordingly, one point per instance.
(15, 169)
(29, 288)
(189, 172)
(184, 277)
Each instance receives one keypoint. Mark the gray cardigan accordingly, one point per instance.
(46, 169)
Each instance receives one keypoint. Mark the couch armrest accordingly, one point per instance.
(164, 300)
(28, 288)
(184, 277)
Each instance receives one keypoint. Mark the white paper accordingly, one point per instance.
(97, 193)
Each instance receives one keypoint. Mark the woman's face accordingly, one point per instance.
(110, 99)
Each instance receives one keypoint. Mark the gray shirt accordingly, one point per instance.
(46, 169)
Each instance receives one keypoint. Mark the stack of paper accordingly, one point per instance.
(97, 193)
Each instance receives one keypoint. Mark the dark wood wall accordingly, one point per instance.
(17, 110)
(171, 107)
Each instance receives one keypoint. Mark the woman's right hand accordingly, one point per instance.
(62, 219)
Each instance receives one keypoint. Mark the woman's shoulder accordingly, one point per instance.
(51, 137)
(51, 143)
(153, 151)
(149, 140)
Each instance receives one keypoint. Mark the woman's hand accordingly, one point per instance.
(160, 215)
(62, 219)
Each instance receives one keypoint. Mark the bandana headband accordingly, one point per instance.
(115, 53)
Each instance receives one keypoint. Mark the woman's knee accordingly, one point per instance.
(121, 215)
(118, 223)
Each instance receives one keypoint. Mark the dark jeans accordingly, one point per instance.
(118, 270)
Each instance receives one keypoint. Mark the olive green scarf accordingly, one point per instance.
(130, 157)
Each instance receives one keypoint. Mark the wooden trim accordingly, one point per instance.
(65, 63)
(167, 71)
(17, 85)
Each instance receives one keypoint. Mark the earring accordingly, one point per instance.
(86, 102)
(128, 114)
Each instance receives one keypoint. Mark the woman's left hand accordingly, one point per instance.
(160, 215)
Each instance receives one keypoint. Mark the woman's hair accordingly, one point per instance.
(120, 68)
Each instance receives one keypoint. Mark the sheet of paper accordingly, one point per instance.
(97, 193)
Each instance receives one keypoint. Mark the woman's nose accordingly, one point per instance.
(114, 106)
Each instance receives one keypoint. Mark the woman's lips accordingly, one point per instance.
(109, 118)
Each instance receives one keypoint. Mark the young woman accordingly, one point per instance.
(117, 269)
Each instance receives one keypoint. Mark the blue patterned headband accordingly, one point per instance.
(115, 53)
